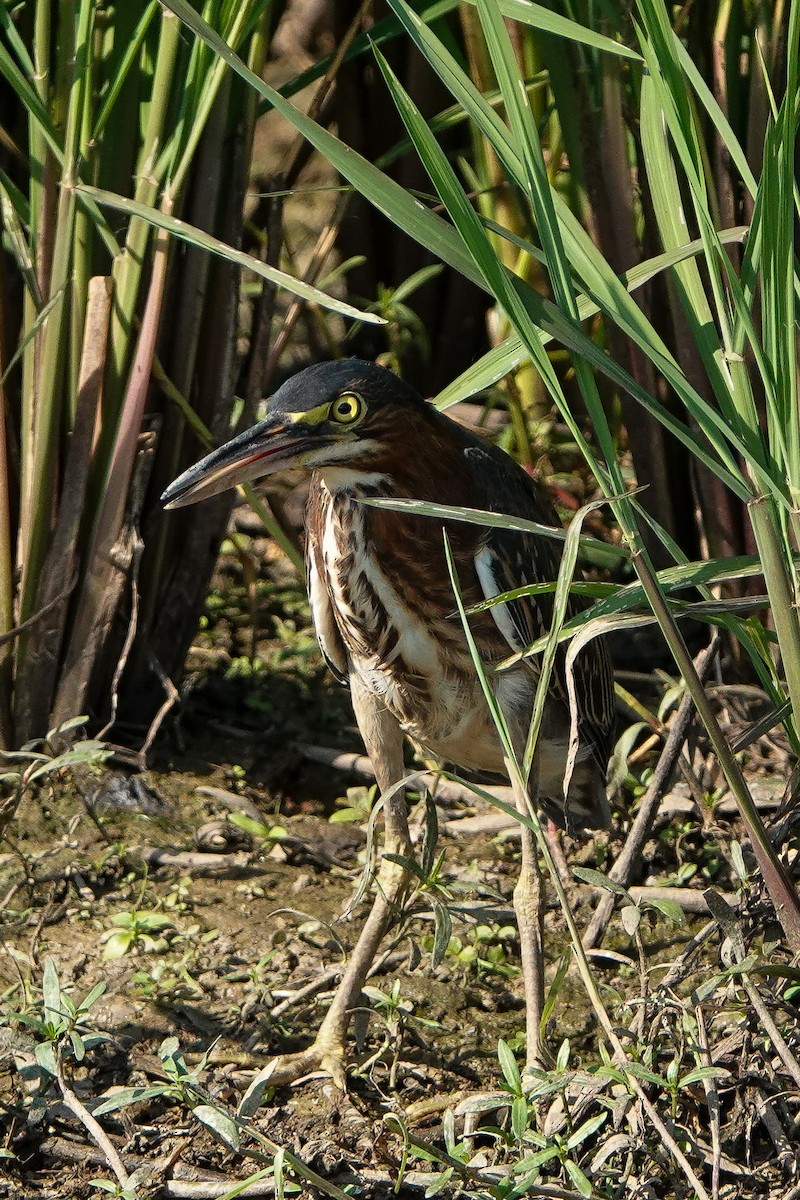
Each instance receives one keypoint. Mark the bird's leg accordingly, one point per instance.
(529, 908)
(384, 742)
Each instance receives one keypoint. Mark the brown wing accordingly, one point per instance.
(510, 559)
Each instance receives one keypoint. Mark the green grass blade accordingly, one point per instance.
(205, 241)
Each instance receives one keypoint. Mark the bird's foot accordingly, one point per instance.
(325, 1056)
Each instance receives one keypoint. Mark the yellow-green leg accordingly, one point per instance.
(384, 742)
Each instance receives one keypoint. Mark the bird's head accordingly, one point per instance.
(340, 414)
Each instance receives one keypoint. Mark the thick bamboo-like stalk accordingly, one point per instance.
(6, 561)
(41, 197)
(46, 414)
(35, 688)
(128, 269)
(109, 556)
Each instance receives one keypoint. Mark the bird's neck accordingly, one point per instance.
(420, 475)
(353, 480)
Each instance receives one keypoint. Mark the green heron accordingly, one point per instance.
(383, 605)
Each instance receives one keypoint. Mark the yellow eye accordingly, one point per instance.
(347, 409)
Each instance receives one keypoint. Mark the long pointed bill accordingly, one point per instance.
(267, 447)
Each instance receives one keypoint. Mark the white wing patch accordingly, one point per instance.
(484, 567)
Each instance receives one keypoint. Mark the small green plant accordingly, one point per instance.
(396, 1012)
(42, 757)
(180, 1085)
(169, 979)
(141, 929)
(672, 1082)
(482, 950)
(60, 1026)
(404, 330)
(356, 806)
(114, 1188)
(233, 1128)
(259, 830)
(558, 1149)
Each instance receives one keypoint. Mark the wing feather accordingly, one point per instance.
(507, 560)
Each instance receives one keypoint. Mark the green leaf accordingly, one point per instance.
(509, 1066)
(443, 930)
(598, 879)
(644, 1074)
(441, 1181)
(91, 998)
(51, 994)
(117, 944)
(258, 829)
(219, 1123)
(547, 21)
(737, 858)
(127, 1096)
(519, 1116)
(279, 1172)
(555, 988)
(532, 1162)
(586, 1130)
(577, 1178)
(45, 1056)
(78, 1047)
(670, 908)
(702, 1073)
(631, 917)
(205, 241)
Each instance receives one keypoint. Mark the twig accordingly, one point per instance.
(231, 800)
(675, 972)
(771, 1029)
(137, 549)
(201, 1190)
(630, 856)
(443, 789)
(18, 630)
(712, 1099)
(690, 899)
(94, 1129)
(179, 1188)
(172, 698)
(329, 977)
(191, 860)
